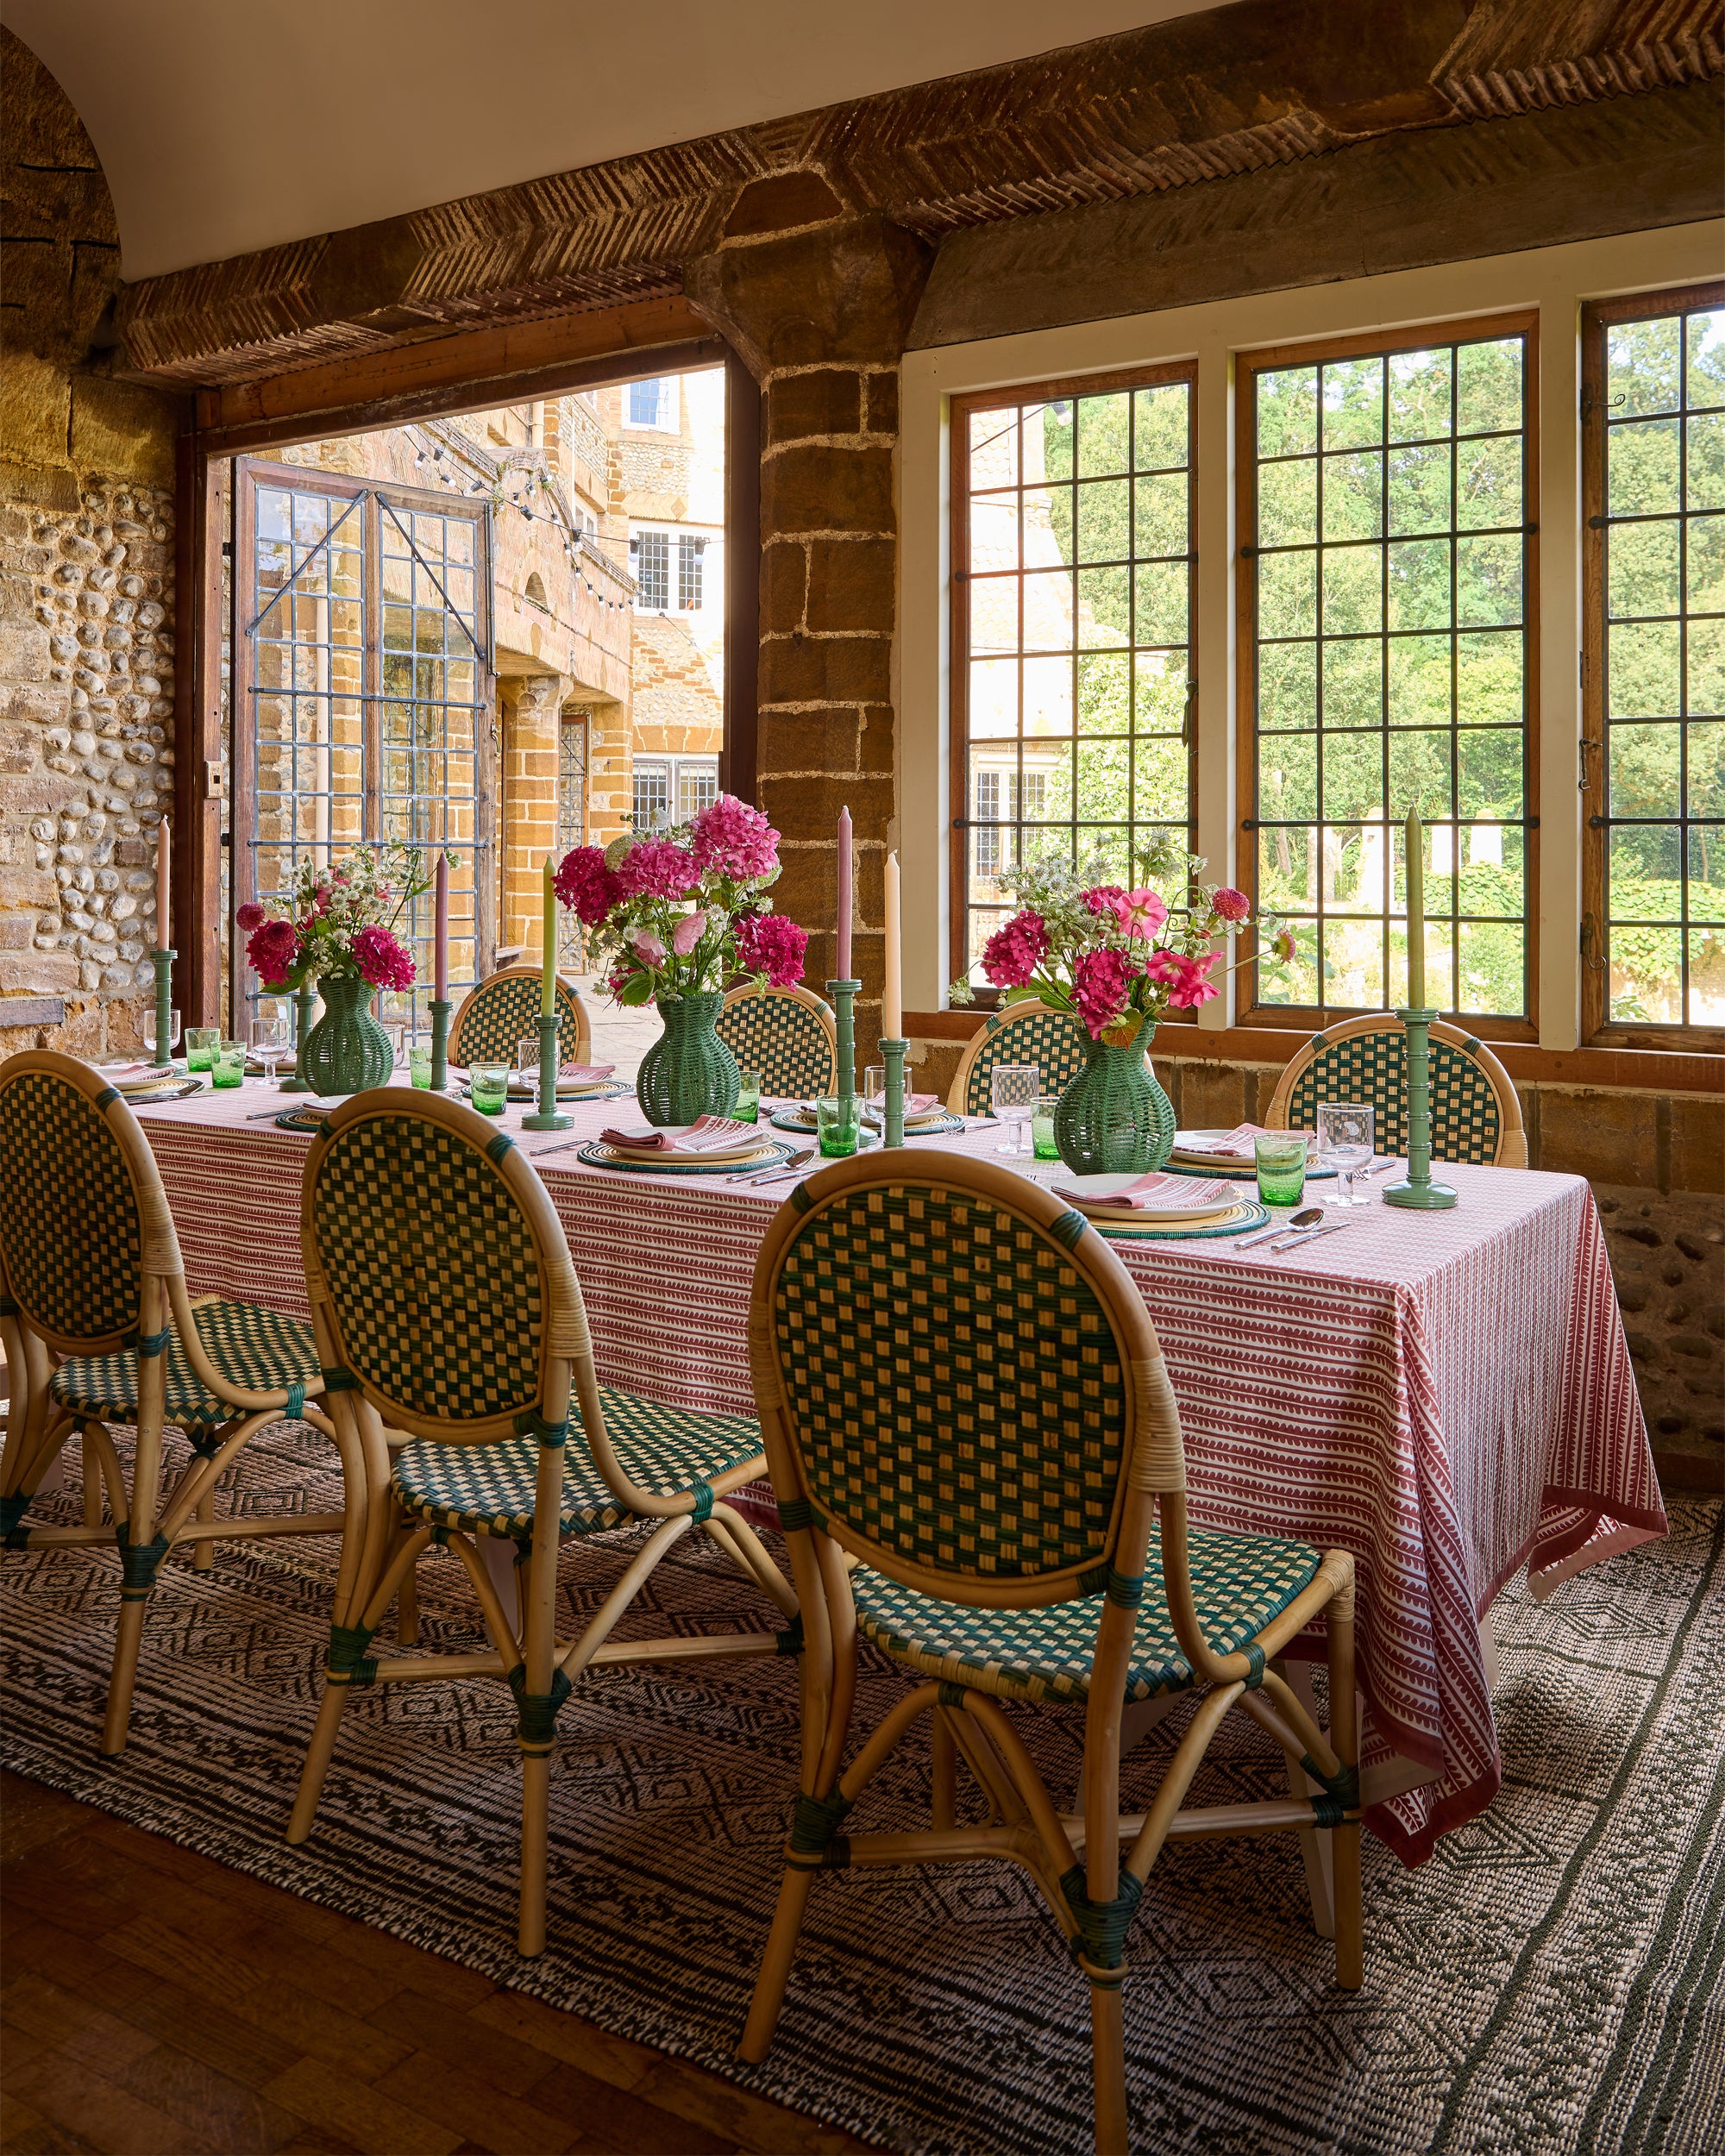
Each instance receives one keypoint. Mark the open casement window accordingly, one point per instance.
(1654, 752)
(1388, 654)
(1074, 673)
(364, 712)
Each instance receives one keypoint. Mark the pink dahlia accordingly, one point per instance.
(1194, 985)
(655, 868)
(586, 886)
(1101, 981)
(1285, 946)
(733, 840)
(382, 961)
(1013, 953)
(248, 918)
(273, 949)
(1231, 905)
(768, 944)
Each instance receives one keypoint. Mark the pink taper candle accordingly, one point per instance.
(440, 947)
(844, 878)
(163, 924)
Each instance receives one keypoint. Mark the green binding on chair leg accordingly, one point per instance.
(12, 1510)
(348, 1663)
(791, 1638)
(537, 1726)
(816, 1842)
(1341, 1789)
(1103, 1926)
(139, 1562)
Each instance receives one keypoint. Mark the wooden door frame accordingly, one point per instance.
(475, 370)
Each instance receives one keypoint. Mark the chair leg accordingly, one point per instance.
(203, 1550)
(769, 2001)
(407, 1612)
(318, 1756)
(536, 1836)
(92, 1479)
(945, 1806)
(121, 1677)
(1350, 1916)
(1109, 2064)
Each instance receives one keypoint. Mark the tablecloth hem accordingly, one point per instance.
(1448, 1813)
(1576, 1548)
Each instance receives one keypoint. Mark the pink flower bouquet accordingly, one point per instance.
(683, 911)
(339, 922)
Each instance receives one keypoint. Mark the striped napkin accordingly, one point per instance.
(1156, 1193)
(584, 1074)
(1233, 1146)
(711, 1134)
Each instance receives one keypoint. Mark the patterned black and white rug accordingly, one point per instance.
(1549, 1985)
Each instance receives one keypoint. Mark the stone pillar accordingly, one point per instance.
(532, 706)
(820, 316)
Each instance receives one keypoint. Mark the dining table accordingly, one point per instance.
(1448, 1396)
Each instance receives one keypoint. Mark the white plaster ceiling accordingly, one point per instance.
(227, 125)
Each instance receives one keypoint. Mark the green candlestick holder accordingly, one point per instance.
(1419, 1193)
(548, 1117)
(303, 1000)
(893, 1052)
(843, 993)
(440, 1044)
(164, 965)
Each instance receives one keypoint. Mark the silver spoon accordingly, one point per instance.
(1307, 1217)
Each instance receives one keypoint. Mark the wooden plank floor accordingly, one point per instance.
(156, 2003)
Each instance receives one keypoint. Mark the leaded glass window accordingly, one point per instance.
(1655, 400)
(650, 559)
(1074, 676)
(1386, 587)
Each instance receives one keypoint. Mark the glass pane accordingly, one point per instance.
(1287, 595)
(1489, 770)
(1353, 683)
(1287, 685)
(994, 532)
(1489, 386)
(1353, 497)
(1419, 488)
(1420, 774)
(1287, 502)
(1164, 691)
(1288, 412)
(1286, 777)
(1160, 421)
(1644, 670)
(1645, 569)
(1353, 589)
(1160, 509)
(1419, 584)
(1104, 436)
(1644, 468)
(1354, 403)
(993, 448)
(1353, 778)
(1419, 395)
(1105, 521)
(1105, 694)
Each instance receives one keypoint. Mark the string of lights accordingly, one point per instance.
(502, 499)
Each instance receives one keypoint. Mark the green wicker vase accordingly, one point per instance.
(347, 1050)
(689, 1071)
(1114, 1119)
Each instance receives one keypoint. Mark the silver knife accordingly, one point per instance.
(1308, 1235)
(784, 1167)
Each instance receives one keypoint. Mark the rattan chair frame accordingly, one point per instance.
(748, 990)
(1511, 1136)
(140, 1517)
(1027, 1826)
(379, 1545)
(993, 1044)
(568, 997)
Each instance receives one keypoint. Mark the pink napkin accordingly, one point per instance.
(1236, 1144)
(711, 1134)
(137, 1073)
(585, 1074)
(920, 1103)
(1154, 1192)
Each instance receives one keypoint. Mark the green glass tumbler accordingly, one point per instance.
(488, 1085)
(1041, 1128)
(228, 1067)
(419, 1068)
(201, 1043)
(748, 1108)
(1281, 1156)
(836, 1119)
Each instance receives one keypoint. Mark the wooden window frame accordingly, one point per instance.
(1249, 365)
(1073, 386)
(1598, 1028)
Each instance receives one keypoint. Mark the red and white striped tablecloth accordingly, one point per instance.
(1446, 1394)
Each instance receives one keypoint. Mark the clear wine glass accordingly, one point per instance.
(160, 1050)
(875, 1092)
(1346, 1136)
(271, 1033)
(1014, 1090)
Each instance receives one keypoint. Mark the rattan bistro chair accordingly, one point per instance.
(503, 1011)
(446, 1306)
(1475, 1114)
(99, 1328)
(962, 1394)
(788, 1035)
(1024, 1032)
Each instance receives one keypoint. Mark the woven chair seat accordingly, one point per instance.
(1239, 1581)
(256, 1349)
(489, 1488)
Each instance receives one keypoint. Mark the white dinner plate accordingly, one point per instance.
(1092, 1193)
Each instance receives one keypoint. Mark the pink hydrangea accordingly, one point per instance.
(1194, 985)
(1231, 905)
(1140, 912)
(655, 868)
(248, 918)
(768, 944)
(273, 949)
(382, 962)
(1012, 953)
(586, 886)
(1102, 981)
(733, 840)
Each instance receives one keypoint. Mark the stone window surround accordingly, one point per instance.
(1555, 279)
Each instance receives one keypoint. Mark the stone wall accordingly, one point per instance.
(87, 599)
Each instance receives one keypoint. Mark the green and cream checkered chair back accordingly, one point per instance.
(436, 1267)
(788, 1035)
(1024, 1032)
(956, 1364)
(496, 1017)
(1475, 1114)
(81, 1205)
